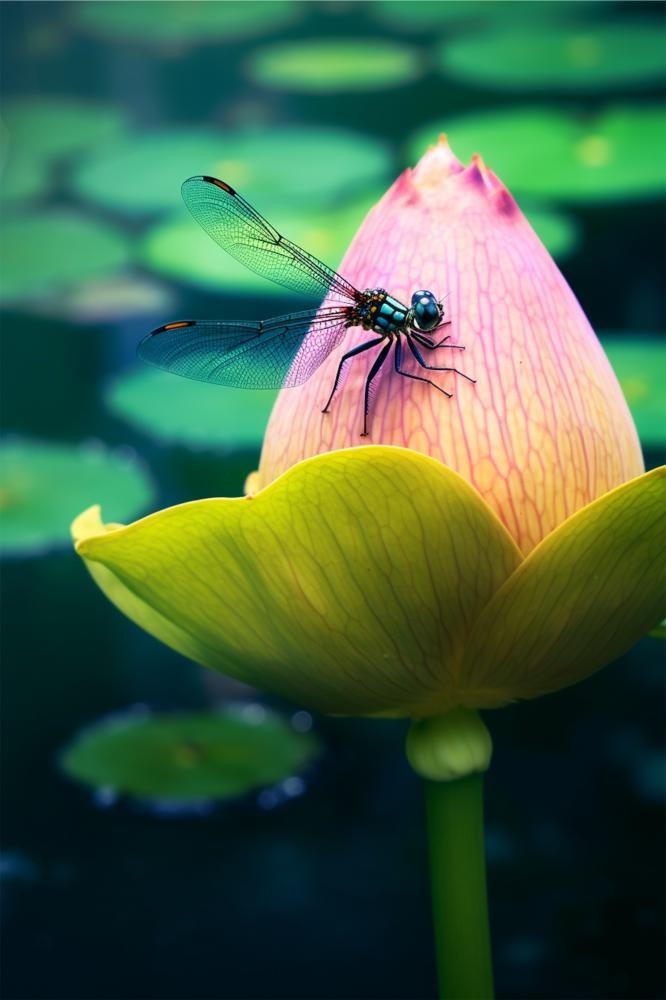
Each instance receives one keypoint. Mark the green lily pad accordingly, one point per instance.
(421, 15)
(545, 152)
(178, 248)
(143, 173)
(639, 362)
(270, 166)
(167, 22)
(44, 485)
(558, 232)
(333, 65)
(596, 56)
(53, 127)
(181, 411)
(425, 15)
(191, 757)
(106, 300)
(56, 249)
(24, 176)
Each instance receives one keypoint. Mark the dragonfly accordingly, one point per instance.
(286, 350)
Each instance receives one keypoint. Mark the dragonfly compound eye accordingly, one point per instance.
(426, 309)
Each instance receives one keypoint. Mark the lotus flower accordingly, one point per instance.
(494, 546)
(545, 430)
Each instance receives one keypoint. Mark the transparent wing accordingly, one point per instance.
(283, 351)
(247, 236)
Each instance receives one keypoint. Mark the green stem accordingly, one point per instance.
(458, 877)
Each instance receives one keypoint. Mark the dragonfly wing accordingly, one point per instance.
(246, 235)
(258, 355)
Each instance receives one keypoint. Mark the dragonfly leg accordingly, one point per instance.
(397, 358)
(454, 347)
(423, 340)
(433, 368)
(378, 362)
(445, 322)
(345, 358)
(432, 346)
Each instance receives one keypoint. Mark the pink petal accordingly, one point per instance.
(545, 429)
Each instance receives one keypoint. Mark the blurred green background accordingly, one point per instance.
(241, 847)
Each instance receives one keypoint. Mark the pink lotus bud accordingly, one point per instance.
(545, 430)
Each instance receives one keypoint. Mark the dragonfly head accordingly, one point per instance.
(426, 311)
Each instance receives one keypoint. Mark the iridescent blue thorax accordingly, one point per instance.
(381, 312)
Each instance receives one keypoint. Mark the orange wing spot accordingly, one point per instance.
(221, 184)
(179, 325)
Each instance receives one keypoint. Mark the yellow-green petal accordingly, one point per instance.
(349, 584)
(89, 525)
(587, 593)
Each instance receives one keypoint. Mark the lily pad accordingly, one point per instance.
(425, 15)
(558, 232)
(180, 411)
(165, 22)
(190, 757)
(24, 176)
(421, 15)
(331, 65)
(545, 152)
(639, 362)
(56, 249)
(178, 248)
(53, 127)
(43, 486)
(596, 56)
(273, 165)
(106, 300)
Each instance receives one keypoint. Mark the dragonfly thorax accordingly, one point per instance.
(381, 312)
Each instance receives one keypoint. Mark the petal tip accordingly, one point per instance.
(252, 484)
(474, 173)
(88, 528)
(88, 522)
(437, 163)
(504, 201)
(480, 176)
